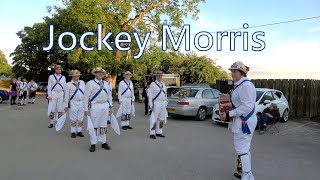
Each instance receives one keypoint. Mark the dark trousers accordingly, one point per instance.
(146, 106)
(13, 100)
(264, 120)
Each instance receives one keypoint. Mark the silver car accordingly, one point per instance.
(193, 101)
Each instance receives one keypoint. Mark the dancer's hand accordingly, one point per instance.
(66, 109)
(87, 113)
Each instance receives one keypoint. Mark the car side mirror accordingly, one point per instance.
(266, 102)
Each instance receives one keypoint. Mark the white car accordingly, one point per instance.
(264, 98)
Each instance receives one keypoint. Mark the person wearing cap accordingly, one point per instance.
(56, 92)
(32, 91)
(243, 99)
(126, 99)
(268, 115)
(157, 103)
(23, 90)
(74, 103)
(98, 106)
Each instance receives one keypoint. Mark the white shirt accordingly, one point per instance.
(154, 90)
(244, 99)
(24, 86)
(33, 86)
(122, 87)
(92, 88)
(52, 81)
(71, 88)
(18, 83)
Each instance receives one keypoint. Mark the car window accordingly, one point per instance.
(277, 95)
(185, 93)
(267, 96)
(259, 94)
(207, 94)
(216, 93)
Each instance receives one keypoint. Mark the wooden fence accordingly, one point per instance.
(303, 95)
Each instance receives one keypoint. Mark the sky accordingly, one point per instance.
(292, 49)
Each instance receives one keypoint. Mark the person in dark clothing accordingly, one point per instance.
(267, 116)
(13, 91)
(146, 99)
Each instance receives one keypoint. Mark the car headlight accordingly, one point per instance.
(216, 107)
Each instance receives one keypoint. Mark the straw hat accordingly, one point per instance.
(239, 66)
(97, 69)
(127, 73)
(57, 67)
(74, 73)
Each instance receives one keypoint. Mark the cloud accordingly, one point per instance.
(314, 30)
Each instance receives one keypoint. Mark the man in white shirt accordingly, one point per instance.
(243, 100)
(32, 91)
(126, 99)
(158, 103)
(99, 99)
(23, 90)
(108, 80)
(74, 103)
(56, 92)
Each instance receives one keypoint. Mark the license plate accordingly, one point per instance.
(171, 110)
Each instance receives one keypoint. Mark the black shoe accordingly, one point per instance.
(109, 122)
(73, 135)
(80, 134)
(105, 146)
(124, 127)
(29, 102)
(32, 103)
(237, 175)
(92, 148)
(50, 126)
(153, 137)
(160, 135)
(129, 127)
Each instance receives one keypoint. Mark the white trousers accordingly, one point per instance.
(160, 114)
(126, 111)
(99, 117)
(76, 113)
(57, 103)
(242, 144)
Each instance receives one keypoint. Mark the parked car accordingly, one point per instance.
(192, 101)
(4, 95)
(42, 86)
(264, 98)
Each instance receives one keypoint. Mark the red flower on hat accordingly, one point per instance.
(247, 69)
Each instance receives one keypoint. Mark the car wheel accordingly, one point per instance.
(202, 114)
(285, 116)
(1, 99)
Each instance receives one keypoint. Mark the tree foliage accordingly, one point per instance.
(5, 68)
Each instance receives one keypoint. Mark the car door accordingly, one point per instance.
(280, 104)
(267, 96)
(209, 100)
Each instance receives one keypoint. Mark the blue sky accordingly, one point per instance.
(292, 50)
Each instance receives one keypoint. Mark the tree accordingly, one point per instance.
(125, 15)
(5, 68)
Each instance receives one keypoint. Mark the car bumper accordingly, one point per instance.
(182, 111)
(216, 117)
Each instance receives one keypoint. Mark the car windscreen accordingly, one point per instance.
(259, 94)
(185, 93)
